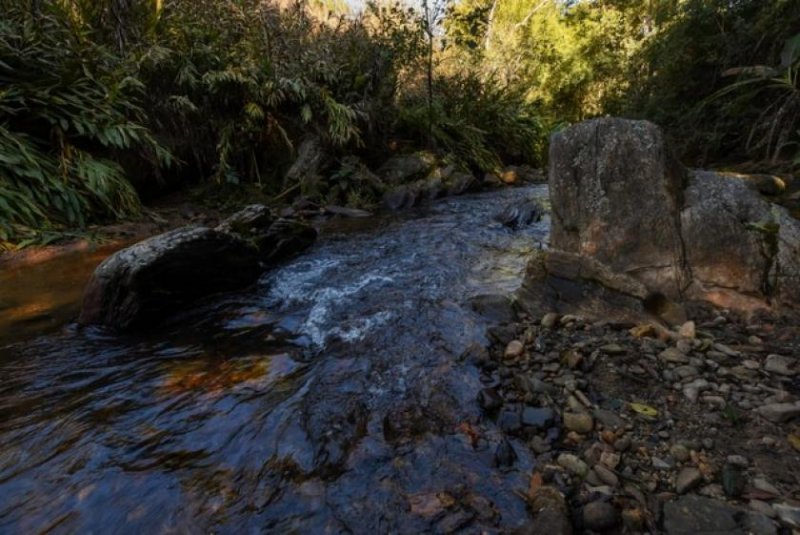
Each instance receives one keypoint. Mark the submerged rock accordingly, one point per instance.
(520, 214)
(140, 285)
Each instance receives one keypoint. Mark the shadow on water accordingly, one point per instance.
(329, 398)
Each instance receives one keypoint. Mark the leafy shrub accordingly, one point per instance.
(67, 108)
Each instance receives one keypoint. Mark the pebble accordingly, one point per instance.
(550, 320)
(541, 418)
(579, 422)
(660, 464)
(687, 479)
(612, 349)
(600, 516)
(780, 412)
(733, 481)
(606, 476)
(687, 330)
(489, 399)
(751, 364)
(610, 459)
(762, 507)
(514, 349)
(679, 452)
(573, 464)
(674, 356)
(788, 514)
(738, 460)
(780, 365)
(763, 485)
(504, 455)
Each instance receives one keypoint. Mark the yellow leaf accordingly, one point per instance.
(794, 440)
(645, 410)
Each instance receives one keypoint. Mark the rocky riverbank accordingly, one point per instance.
(639, 428)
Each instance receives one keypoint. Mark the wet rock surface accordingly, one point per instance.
(138, 286)
(659, 430)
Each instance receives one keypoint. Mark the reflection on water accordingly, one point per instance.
(43, 296)
(329, 398)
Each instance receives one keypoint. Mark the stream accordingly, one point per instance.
(329, 398)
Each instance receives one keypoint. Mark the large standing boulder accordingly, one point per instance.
(616, 193)
(139, 285)
(741, 248)
(620, 198)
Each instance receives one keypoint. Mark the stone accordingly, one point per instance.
(660, 464)
(679, 452)
(579, 422)
(573, 464)
(284, 239)
(762, 507)
(606, 475)
(674, 356)
(780, 412)
(698, 235)
(765, 486)
(514, 350)
(694, 515)
(549, 510)
(539, 418)
(489, 399)
(520, 214)
(504, 455)
(248, 222)
(733, 480)
(687, 330)
(138, 286)
(594, 168)
(567, 283)
(687, 479)
(788, 514)
(550, 320)
(496, 308)
(600, 516)
(779, 365)
(403, 168)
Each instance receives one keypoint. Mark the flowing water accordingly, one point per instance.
(329, 398)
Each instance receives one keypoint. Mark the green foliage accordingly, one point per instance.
(481, 122)
(66, 109)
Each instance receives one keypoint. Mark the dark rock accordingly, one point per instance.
(733, 480)
(549, 511)
(346, 211)
(248, 221)
(489, 399)
(571, 284)
(696, 515)
(400, 198)
(538, 418)
(504, 455)
(283, 239)
(520, 214)
(510, 420)
(495, 308)
(458, 182)
(600, 516)
(140, 285)
(407, 167)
